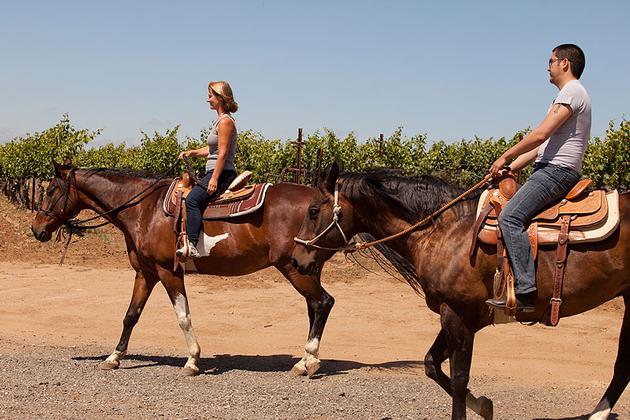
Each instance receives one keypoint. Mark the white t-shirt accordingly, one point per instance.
(567, 145)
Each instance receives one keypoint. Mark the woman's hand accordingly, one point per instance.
(212, 186)
(182, 155)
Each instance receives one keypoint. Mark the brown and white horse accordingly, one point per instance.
(236, 247)
(435, 261)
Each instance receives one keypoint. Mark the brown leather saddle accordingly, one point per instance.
(581, 216)
(180, 187)
(239, 199)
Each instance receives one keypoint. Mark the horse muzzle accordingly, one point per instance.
(41, 235)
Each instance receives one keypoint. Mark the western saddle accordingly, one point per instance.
(239, 199)
(581, 216)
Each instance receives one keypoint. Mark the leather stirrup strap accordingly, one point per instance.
(177, 213)
(561, 260)
(180, 234)
(477, 227)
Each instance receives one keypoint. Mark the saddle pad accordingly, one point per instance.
(548, 233)
(240, 207)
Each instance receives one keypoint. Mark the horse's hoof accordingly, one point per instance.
(298, 369)
(188, 371)
(312, 368)
(486, 409)
(107, 365)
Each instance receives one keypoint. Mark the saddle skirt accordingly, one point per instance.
(594, 217)
(239, 199)
(252, 199)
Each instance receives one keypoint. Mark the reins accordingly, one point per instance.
(72, 226)
(362, 245)
(349, 247)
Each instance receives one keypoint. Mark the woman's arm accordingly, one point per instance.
(201, 152)
(225, 129)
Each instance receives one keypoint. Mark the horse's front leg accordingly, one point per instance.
(433, 360)
(174, 285)
(141, 291)
(621, 375)
(319, 304)
(460, 347)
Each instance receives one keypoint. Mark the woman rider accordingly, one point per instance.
(220, 170)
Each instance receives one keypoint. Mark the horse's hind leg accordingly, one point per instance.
(621, 375)
(319, 304)
(141, 291)
(459, 343)
(174, 285)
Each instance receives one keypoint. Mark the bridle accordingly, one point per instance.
(336, 216)
(355, 246)
(72, 225)
(65, 195)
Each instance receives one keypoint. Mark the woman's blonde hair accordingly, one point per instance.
(223, 89)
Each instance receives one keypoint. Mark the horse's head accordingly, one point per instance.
(327, 226)
(59, 204)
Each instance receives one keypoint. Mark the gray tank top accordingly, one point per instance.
(213, 146)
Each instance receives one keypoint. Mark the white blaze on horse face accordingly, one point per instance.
(205, 245)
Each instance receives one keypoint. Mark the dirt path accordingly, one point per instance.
(378, 332)
(58, 323)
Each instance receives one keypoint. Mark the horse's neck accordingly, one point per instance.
(453, 225)
(102, 193)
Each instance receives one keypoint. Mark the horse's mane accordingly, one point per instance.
(412, 197)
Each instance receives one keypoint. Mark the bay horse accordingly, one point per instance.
(244, 245)
(435, 262)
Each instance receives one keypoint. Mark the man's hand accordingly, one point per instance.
(182, 155)
(498, 167)
(212, 186)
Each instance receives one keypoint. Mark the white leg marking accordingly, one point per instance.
(183, 318)
(312, 348)
(311, 360)
(115, 357)
(208, 242)
(601, 415)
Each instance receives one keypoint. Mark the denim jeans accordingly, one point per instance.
(548, 183)
(197, 200)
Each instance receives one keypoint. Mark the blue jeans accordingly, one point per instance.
(198, 198)
(548, 183)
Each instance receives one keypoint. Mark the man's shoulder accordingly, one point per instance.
(576, 87)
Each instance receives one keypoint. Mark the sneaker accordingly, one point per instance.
(193, 252)
(524, 303)
(187, 250)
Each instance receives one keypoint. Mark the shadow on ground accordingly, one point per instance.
(222, 363)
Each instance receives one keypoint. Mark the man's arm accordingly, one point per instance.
(524, 160)
(558, 115)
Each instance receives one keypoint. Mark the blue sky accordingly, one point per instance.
(451, 70)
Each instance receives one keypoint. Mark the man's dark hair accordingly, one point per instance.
(575, 55)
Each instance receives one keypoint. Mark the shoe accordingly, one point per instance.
(524, 302)
(193, 252)
(187, 251)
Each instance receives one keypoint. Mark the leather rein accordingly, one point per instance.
(72, 225)
(349, 247)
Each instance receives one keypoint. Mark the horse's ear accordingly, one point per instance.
(331, 177)
(61, 169)
(58, 167)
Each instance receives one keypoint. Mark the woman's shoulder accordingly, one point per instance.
(226, 121)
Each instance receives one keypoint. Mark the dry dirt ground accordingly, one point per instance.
(58, 323)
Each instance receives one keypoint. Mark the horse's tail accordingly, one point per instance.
(390, 260)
